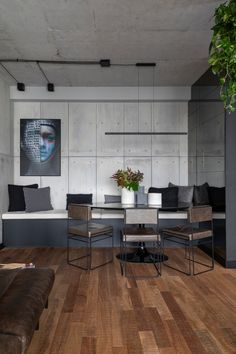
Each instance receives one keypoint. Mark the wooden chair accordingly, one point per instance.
(191, 235)
(80, 228)
(135, 233)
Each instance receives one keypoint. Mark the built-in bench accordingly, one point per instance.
(49, 228)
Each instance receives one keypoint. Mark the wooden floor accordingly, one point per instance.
(103, 312)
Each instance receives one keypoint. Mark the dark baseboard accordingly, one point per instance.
(230, 264)
(217, 257)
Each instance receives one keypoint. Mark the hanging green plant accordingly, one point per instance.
(223, 52)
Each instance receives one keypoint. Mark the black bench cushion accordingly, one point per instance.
(217, 198)
(169, 195)
(16, 196)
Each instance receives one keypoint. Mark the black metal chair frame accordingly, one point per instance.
(124, 245)
(89, 242)
(190, 251)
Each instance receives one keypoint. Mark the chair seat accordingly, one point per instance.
(90, 230)
(188, 232)
(134, 234)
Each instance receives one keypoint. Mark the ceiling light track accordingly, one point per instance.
(102, 62)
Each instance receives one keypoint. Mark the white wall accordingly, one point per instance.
(6, 160)
(89, 157)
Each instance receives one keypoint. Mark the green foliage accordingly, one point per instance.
(223, 52)
(128, 179)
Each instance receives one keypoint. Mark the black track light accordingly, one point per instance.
(20, 86)
(50, 87)
(105, 63)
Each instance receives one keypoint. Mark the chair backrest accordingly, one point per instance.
(79, 212)
(141, 216)
(200, 214)
(109, 198)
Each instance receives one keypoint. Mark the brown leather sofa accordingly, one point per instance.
(23, 296)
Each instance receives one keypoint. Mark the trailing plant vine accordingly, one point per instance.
(222, 52)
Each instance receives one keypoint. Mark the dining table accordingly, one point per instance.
(141, 254)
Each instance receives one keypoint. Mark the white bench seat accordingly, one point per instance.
(96, 214)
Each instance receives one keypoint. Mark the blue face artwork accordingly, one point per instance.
(47, 142)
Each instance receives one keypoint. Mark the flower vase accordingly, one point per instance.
(127, 196)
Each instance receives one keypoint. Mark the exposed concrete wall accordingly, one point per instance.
(6, 159)
(89, 157)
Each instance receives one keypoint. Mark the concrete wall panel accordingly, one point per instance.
(210, 137)
(210, 164)
(209, 110)
(82, 175)
(23, 110)
(106, 167)
(82, 129)
(216, 179)
(183, 171)
(110, 118)
(170, 116)
(165, 170)
(165, 145)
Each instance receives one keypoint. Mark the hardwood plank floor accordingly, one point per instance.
(102, 312)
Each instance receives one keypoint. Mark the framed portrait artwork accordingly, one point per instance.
(40, 147)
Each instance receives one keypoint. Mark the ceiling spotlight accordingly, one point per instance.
(20, 86)
(105, 63)
(50, 87)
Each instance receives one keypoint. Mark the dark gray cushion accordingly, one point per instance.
(37, 199)
(185, 194)
(112, 198)
(201, 195)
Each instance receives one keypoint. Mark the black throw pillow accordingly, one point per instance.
(200, 194)
(16, 196)
(217, 198)
(169, 195)
(79, 199)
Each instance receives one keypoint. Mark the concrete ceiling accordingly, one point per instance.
(173, 33)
